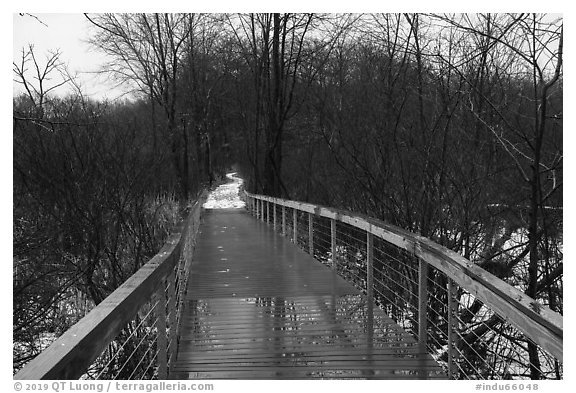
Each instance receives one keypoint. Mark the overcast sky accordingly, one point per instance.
(67, 33)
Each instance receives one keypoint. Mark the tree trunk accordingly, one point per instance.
(534, 257)
(185, 163)
(272, 160)
(177, 159)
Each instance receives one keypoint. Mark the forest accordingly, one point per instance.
(446, 125)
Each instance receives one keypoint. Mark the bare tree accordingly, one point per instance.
(273, 47)
(40, 79)
(534, 44)
(147, 52)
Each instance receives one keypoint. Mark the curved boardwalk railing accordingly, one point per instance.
(474, 324)
(133, 333)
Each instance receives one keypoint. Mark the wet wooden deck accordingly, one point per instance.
(258, 307)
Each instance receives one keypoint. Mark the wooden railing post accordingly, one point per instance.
(162, 342)
(311, 233)
(283, 220)
(295, 221)
(182, 284)
(173, 338)
(268, 212)
(452, 329)
(274, 215)
(369, 266)
(370, 326)
(257, 208)
(370, 287)
(333, 242)
(422, 303)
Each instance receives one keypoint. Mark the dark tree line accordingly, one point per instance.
(445, 125)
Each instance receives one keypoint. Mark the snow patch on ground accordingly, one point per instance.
(226, 196)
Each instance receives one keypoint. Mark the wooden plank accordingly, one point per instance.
(306, 320)
(316, 336)
(293, 351)
(388, 346)
(317, 364)
(293, 346)
(233, 326)
(303, 373)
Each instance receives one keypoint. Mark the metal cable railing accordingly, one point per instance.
(128, 352)
(474, 324)
(133, 333)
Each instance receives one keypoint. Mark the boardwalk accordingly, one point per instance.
(260, 308)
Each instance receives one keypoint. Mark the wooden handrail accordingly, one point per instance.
(69, 356)
(541, 324)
